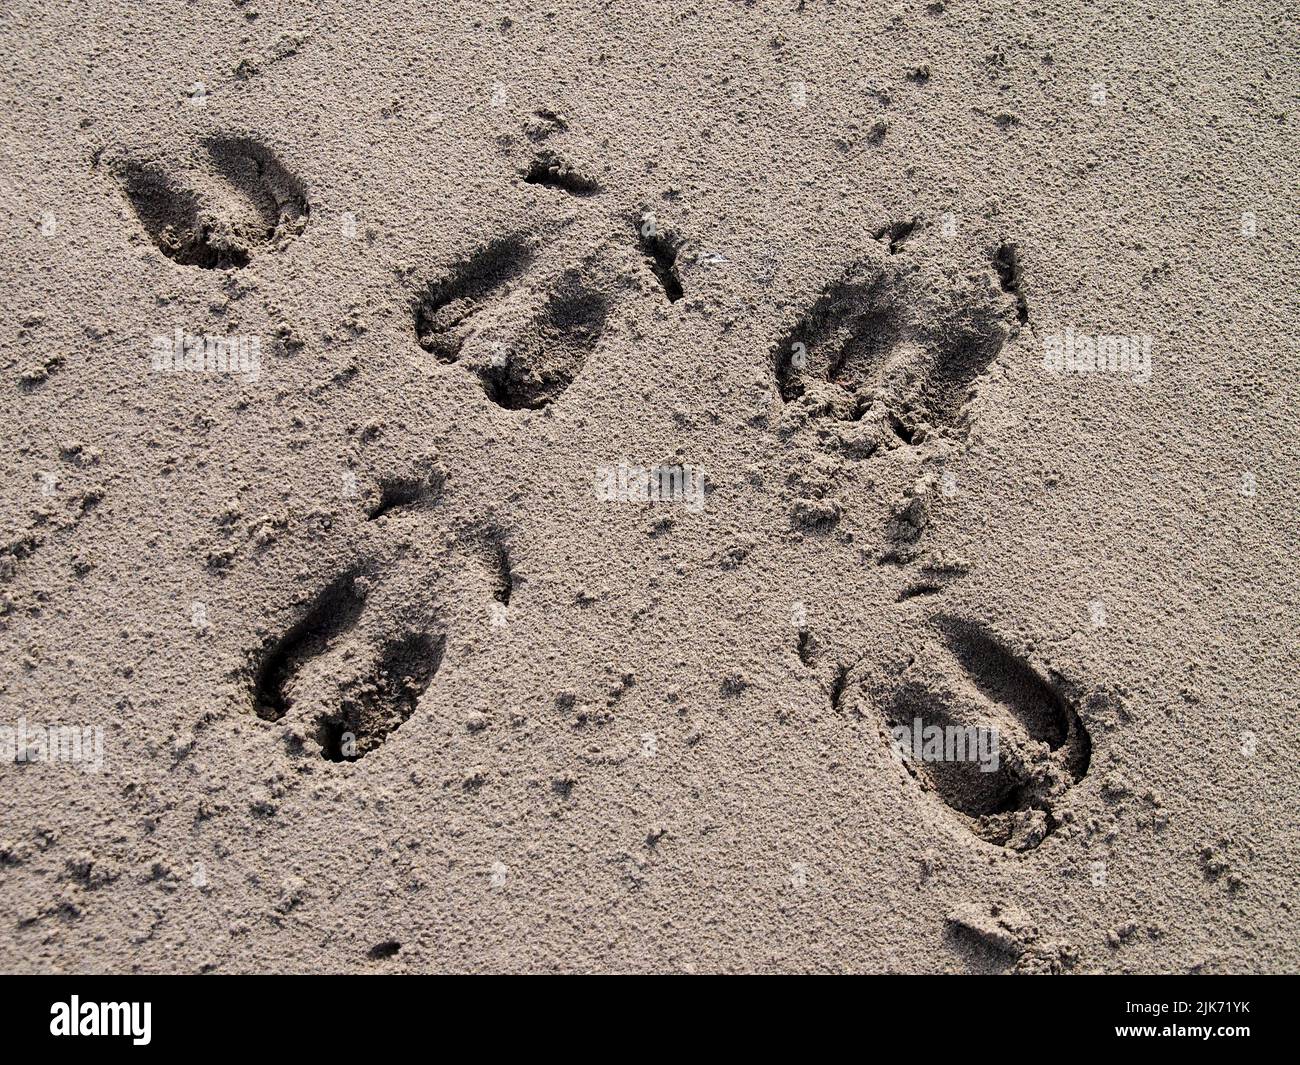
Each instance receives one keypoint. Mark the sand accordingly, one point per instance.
(615, 421)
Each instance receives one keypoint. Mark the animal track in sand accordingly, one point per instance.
(445, 311)
(524, 329)
(960, 678)
(552, 171)
(884, 361)
(661, 248)
(549, 352)
(350, 666)
(397, 493)
(350, 685)
(332, 614)
(525, 311)
(875, 348)
(241, 201)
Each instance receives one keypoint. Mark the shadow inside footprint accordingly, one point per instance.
(170, 215)
(844, 336)
(953, 771)
(552, 171)
(661, 249)
(979, 727)
(958, 358)
(1003, 678)
(548, 356)
(334, 612)
(378, 706)
(445, 310)
(877, 345)
(406, 493)
(349, 683)
(276, 196)
(254, 202)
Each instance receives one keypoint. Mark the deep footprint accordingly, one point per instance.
(351, 687)
(334, 612)
(445, 311)
(261, 204)
(977, 726)
(380, 705)
(547, 357)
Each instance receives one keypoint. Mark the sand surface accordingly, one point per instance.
(383, 658)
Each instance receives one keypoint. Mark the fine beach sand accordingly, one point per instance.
(362, 646)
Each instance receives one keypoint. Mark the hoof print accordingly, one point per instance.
(978, 727)
(526, 347)
(446, 311)
(378, 703)
(547, 355)
(174, 220)
(878, 347)
(342, 677)
(334, 612)
(397, 493)
(243, 200)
